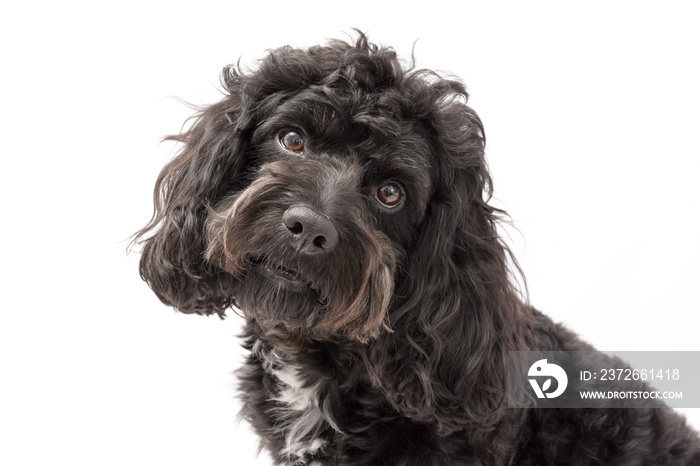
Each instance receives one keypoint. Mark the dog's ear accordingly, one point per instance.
(210, 164)
(456, 320)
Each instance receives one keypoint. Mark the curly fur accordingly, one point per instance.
(390, 347)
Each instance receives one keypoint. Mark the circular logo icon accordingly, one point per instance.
(543, 370)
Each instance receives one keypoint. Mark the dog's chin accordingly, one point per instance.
(278, 296)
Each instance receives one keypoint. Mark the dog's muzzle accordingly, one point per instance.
(302, 247)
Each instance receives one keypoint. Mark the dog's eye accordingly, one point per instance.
(291, 140)
(390, 195)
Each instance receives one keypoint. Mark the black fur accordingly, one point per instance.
(395, 321)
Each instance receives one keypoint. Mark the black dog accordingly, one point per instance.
(340, 202)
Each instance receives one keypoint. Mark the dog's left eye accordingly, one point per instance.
(390, 195)
(291, 140)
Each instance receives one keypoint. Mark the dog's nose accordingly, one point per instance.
(312, 233)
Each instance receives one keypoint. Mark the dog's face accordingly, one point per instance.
(329, 186)
(337, 193)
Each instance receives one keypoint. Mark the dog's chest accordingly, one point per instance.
(299, 415)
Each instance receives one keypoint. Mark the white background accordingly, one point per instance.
(591, 115)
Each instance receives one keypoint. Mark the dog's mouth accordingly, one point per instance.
(286, 276)
(289, 278)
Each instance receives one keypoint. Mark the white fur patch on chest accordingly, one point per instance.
(299, 415)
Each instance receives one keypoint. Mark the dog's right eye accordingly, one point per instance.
(291, 140)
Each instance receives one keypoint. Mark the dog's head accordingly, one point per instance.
(329, 193)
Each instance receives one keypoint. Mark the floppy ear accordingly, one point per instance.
(208, 167)
(456, 320)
